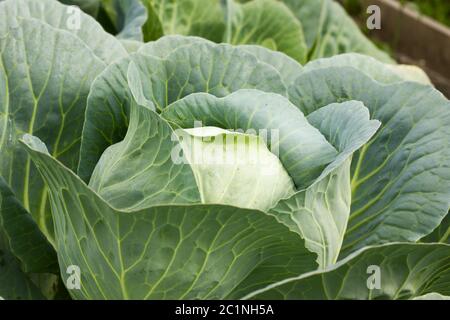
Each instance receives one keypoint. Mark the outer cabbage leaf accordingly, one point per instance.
(406, 271)
(62, 17)
(400, 179)
(267, 23)
(165, 252)
(164, 46)
(44, 89)
(25, 254)
(288, 68)
(133, 19)
(139, 171)
(153, 28)
(379, 71)
(330, 31)
(21, 236)
(320, 213)
(202, 18)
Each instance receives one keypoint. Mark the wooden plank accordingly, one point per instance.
(415, 38)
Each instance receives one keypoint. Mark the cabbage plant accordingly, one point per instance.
(195, 170)
(303, 29)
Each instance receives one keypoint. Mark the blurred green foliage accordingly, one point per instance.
(436, 9)
(439, 10)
